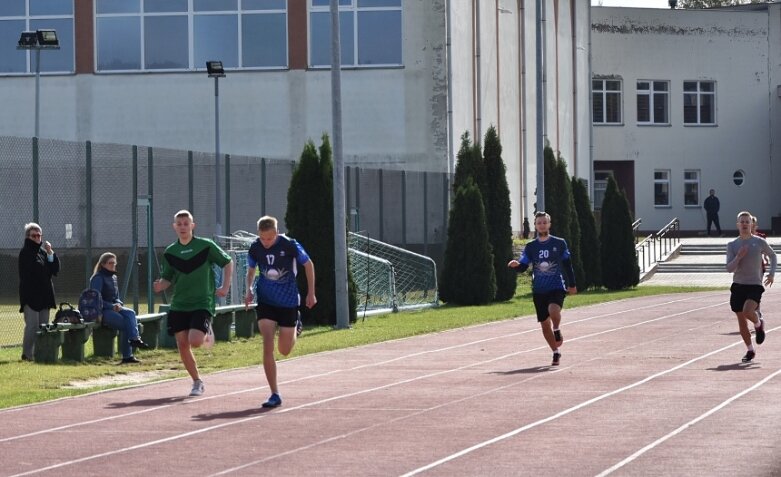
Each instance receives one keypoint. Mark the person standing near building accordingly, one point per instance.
(37, 265)
(277, 257)
(525, 231)
(187, 266)
(744, 261)
(552, 278)
(712, 207)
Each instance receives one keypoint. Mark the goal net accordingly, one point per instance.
(387, 278)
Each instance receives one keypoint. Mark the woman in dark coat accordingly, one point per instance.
(37, 265)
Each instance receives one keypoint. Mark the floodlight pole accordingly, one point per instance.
(540, 79)
(218, 225)
(37, 91)
(340, 222)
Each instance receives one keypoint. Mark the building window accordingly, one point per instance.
(653, 100)
(691, 188)
(662, 188)
(606, 101)
(17, 16)
(699, 102)
(166, 35)
(370, 33)
(600, 186)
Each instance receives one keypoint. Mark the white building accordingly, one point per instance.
(417, 74)
(685, 101)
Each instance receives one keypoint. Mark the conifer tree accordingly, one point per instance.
(560, 205)
(589, 239)
(620, 269)
(310, 220)
(557, 203)
(497, 211)
(468, 274)
(469, 164)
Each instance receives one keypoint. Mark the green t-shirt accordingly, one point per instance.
(190, 271)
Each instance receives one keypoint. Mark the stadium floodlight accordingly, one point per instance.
(38, 40)
(28, 41)
(47, 39)
(215, 70)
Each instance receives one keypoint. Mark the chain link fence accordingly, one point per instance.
(91, 198)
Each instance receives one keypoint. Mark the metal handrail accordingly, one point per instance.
(658, 245)
(636, 227)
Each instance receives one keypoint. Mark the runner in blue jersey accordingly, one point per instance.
(552, 279)
(277, 258)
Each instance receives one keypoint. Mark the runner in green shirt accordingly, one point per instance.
(187, 267)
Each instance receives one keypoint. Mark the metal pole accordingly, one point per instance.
(540, 111)
(218, 225)
(340, 233)
(35, 180)
(88, 197)
(37, 91)
(218, 202)
(150, 233)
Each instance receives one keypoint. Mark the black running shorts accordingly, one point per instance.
(542, 300)
(739, 293)
(188, 320)
(283, 316)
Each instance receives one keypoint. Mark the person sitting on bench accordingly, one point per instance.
(115, 315)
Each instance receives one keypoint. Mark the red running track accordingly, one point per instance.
(649, 386)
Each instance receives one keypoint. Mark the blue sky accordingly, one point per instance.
(632, 3)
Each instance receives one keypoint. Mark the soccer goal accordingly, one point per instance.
(390, 278)
(387, 278)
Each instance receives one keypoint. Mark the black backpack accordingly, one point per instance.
(66, 314)
(91, 305)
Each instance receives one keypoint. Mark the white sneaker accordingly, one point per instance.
(208, 340)
(198, 388)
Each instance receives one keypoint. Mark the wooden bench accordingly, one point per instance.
(152, 326)
(104, 339)
(233, 316)
(70, 337)
(246, 322)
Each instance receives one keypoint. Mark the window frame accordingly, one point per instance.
(686, 182)
(191, 14)
(605, 94)
(652, 93)
(699, 94)
(667, 182)
(28, 18)
(353, 8)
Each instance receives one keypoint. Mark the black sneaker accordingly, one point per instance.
(760, 332)
(139, 343)
(557, 336)
(749, 356)
(130, 360)
(299, 325)
(556, 359)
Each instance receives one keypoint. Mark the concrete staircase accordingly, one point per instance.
(700, 257)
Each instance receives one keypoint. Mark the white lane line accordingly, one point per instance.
(334, 398)
(389, 421)
(687, 425)
(331, 372)
(563, 413)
